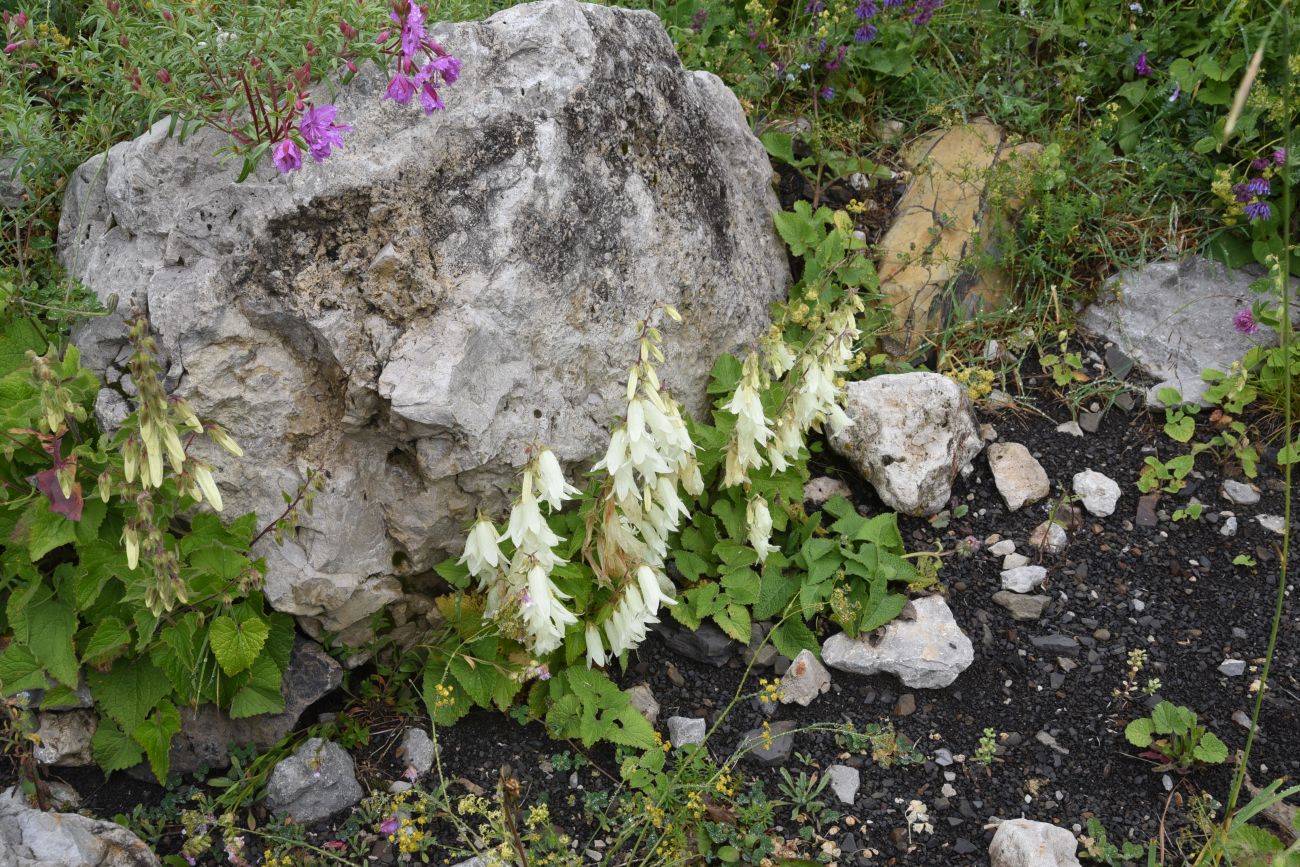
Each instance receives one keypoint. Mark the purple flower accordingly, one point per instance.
(400, 89)
(1178, 91)
(1279, 156)
(388, 826)
(828, 93)
(448, 67)
(838, 59)
(1258, 211)
(815, 7)
(698, 20)
(866, 9)
(1142, 68)
(1259, 187)
(543, 672)
(321, 132)
(890, 4)
(1244, 322)
(287, 156)
(428, 93)
(923, 10)
(413, 33)
(1259, 164)
(865, 33)
(1241, 193)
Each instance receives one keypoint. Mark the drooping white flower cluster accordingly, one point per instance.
(524, 581)
(813, 384)
(649, 456)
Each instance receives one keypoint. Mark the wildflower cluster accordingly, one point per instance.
(420, 60)
(650, 456)
(522, 583)
(769, 692)
(811, 382)
(1252, 194)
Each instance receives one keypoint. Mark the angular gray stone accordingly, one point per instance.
(804, 680)
(1021, 606)
(1050, 537)
(1175, 320)
(65, 738)
(1002, 548)
(417, 750)
(683, 730)
(761, 652)
(1014, 561)
(927, 652)
(1240, 493)
(1019, 477)
(32, 838)
(708, 644)
(318, 780)
(410, 314)
(770, 747)
(207, 732)
(1025, 843)
(1056, 644)
(845, 782)
(643, 700)
(1232, 667)
(1229, 527)
(1098, 492)
(911, 434)
(1272, 523)
(1023, 579)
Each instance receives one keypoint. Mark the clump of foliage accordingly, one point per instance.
(1172, 737)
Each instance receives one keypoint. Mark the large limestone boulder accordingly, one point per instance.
(414, 312)
(31, 838)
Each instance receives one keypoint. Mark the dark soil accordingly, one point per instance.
(1171, 590)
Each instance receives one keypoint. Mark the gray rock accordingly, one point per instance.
(65, 738)
(1049, 537)
(1014, 561)
(1229, 528)
(927, 652)
(1056, 644)
(684, 730)
(817, 491)
(1019, 477)
(1021, 606)
(1274, 523)
(1098, 492)
(417, 750)
(32, 838)
(911, 434)
(804, 680)
(1025, 843)
(845, 782)
(1240, 493)
(318, 780)
(1002, 548)
(1146, 510)
(771, 746)
(1233, 667)
(644, 702)
(761, 652)
(1175, 320)
(207, 732)
(708, 644)
(410, 314)
(1023, 578)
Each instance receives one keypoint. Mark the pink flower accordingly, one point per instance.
(389, 825)
(336, 845)
(1244, 322)
(1142, 68)
(400, 89)
(448, 67)
(412, 29)
(1279, 156)
(287, 156)
(321, 132)
(410, 774)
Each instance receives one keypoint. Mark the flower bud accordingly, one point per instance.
(352, 67)
(113, 6)
(20, 20)
(123, 41)
(164, 76)
(167, 15)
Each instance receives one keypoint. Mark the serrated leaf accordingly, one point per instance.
(113, 749)
(793, 636)
(52, 625)
(1138, 733)
(1168, 718)
(47, 530)
(129, 690)
(885, 610)
(237, 644)
(108, 641)
(775, 591)
(475, 679)
(155, 736)
(734, 620)
(261, 693)
(19, 670)
(1210, 750)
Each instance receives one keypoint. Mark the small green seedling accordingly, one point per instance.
(1171, 738)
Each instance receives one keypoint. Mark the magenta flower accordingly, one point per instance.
(1244, 322)
(1258, 211)
(389, 825)
(1142, 68)
(400, 89)
(287, 156)
(413, 33)
(428, 93)
(1279, 156)
(543, 672)
(321, 131)
(448, 67)
(1259, 164)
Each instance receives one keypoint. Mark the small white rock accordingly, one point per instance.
(1240, 493)
(1070, 427)
(1003, 548)
(804, 680)
(1014, 561)
(1099, 492)
(1229, 528)
(1276, 523)
(1023, 579)
(683, 730)
(1025, 843)
(845, 782)
(1019, 477)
